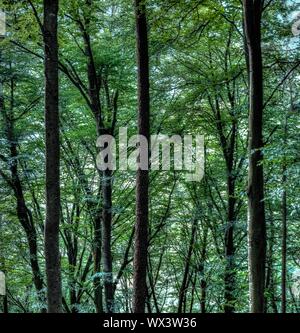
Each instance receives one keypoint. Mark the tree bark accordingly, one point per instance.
(270, 285)
(184, 284)
(284, 224)
(98, 299)
(54, 294)
(106, 240)
(203, 283)
(256, 208)
(142, 177)
(229, 247)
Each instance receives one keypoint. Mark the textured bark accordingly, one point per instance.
(203, 283)
(142, 177)
(72, 260)
(106, 240)
(270, 301)
(256, 208)
(283, 250)
(284, 225)
(71, 243)
(229, 248)
(229, 277)
(98, 299)
(52, 256)
(184, 284)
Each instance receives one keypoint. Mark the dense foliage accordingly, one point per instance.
(199, 85)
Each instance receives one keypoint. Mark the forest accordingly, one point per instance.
(149, 156)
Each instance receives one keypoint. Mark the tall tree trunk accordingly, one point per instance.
(98, 300)
(184, 283)
(203, 283)
(284, 223)
(228, 147)
(229, 246)
(54, 294)
(94, 83)
(270, 285)
(256, 209)
(106, 240)
(142, 177)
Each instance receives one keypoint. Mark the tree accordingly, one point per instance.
(23, 211)
(142, 177)
(52, 255)
(195, 254)
(256, 208)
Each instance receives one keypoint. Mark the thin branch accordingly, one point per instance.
(280, 84)
(36, 15)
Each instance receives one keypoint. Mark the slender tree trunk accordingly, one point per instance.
(228, 147)
(94, 83)
(72, 283)
(193, 281)
(203, 286)
(203, 283)
(256, 209)
(54, 294)
(72, 251)
(284, 225)
(97, 262)
(229, 247)
(152, 288)
(229, 155)
(270, 285)
(106, 240)
(142, 177)
(184, 284)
